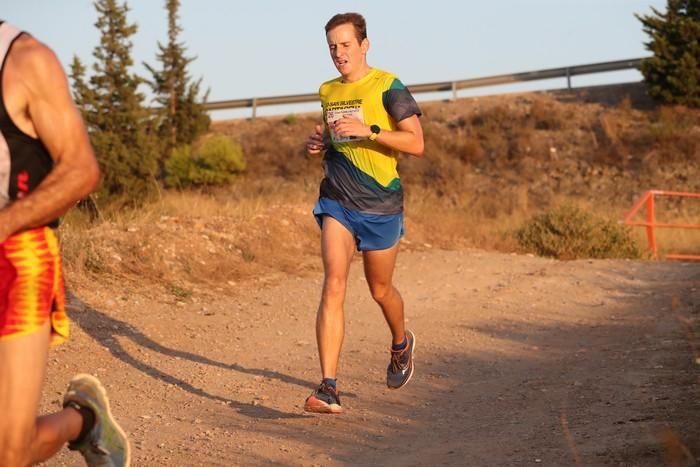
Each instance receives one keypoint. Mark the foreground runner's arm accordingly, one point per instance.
(44, 109)
(407, 138)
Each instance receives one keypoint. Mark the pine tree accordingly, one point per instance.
(673, 73)
(183, 117)
(120, 126)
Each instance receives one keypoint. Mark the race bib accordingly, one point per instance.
(335, 114)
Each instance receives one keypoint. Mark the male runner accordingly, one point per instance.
(46, 166)
(369, 117)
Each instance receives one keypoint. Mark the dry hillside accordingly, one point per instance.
(490, 163)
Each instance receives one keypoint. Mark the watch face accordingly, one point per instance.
(375, 128)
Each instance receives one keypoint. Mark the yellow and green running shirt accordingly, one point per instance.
(361, 174)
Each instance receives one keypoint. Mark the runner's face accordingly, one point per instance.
(347, 53)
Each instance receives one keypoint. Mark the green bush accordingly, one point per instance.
(290, 119)
(217, 162)
(570, 232)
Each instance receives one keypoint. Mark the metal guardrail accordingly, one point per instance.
(453, 86)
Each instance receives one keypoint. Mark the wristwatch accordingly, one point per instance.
(375, 129)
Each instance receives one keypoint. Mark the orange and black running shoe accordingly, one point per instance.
(324, 399)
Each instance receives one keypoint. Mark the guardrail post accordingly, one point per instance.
(454, 91)
(651, 238)
(568, 78)
(255, 107)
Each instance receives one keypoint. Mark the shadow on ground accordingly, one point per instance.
(104, 329)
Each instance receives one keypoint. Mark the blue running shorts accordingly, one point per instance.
(371, 231)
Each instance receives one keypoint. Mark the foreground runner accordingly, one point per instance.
(369, 118)
(46, 166)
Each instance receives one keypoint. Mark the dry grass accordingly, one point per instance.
(490, 164)
(215, 238)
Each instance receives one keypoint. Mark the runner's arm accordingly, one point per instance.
(60, 128)
(407, 138)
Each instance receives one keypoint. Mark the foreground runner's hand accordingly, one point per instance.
(315, 143)
(351, 126)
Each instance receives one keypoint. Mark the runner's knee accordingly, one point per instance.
(334, 286)
(381, 292)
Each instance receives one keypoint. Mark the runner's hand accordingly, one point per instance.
(351, 126)
(315, 144)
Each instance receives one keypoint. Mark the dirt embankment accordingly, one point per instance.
(607, 142)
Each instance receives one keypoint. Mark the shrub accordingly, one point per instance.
(217, 162)
(290, 119)
(570, 232)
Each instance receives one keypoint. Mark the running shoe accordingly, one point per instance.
(323, 400)
(400, 368)
(106, 445)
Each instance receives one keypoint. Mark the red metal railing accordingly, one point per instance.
(647, 200)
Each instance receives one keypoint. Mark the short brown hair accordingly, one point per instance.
(356, 19)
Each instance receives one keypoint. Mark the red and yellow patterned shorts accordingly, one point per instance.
(31, 285)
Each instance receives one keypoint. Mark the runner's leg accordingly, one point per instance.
(379, 270)
(337, 250)
(24, 439)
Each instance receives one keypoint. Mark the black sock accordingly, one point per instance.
(400, 346)
(330, 382)
(88, 420)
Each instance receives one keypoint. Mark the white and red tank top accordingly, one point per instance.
(24, 160)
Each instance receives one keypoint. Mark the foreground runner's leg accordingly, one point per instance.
(105, 444)
(337, 250)
(24, 439)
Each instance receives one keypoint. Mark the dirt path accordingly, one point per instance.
(520, 361)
